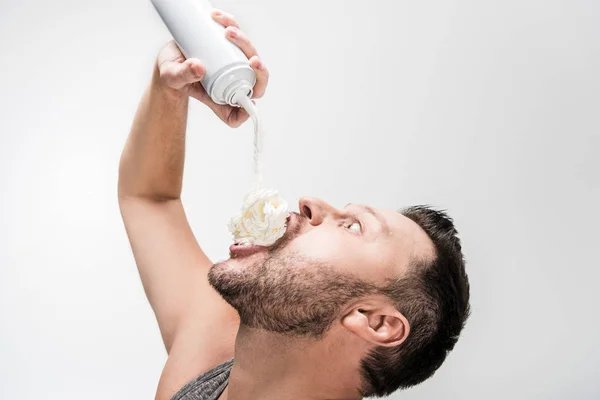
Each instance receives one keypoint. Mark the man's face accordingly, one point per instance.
(327, 258)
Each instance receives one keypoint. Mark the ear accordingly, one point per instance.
(381, 324)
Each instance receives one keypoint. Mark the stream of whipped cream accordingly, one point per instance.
(263, 216)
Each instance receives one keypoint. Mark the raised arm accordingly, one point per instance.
(197, 326)
(150, 179)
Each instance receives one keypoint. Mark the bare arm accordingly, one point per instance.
(197, 326)
(150, 179)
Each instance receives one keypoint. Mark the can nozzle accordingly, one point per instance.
(241, 99)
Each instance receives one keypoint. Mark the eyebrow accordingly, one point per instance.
(374, 213)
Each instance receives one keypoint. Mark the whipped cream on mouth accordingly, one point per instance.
(262, 219)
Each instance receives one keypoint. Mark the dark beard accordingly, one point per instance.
(288, 293)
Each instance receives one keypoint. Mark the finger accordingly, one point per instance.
(224, 18)
(196, 90)
(225, 112)
(262, 77)
(177, 75)
(232, 116)
(235, 116)
(241, 40)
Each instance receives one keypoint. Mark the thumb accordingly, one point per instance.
(177, 75)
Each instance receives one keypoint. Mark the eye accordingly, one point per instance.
(354, 226)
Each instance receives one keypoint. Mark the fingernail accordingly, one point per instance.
(233, 32)
(217, 13)
(260, 65)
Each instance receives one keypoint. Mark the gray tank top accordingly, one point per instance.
(208, 386)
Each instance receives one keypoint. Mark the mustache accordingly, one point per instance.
(291, 232)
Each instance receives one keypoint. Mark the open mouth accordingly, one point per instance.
(239, 250)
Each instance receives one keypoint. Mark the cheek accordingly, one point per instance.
(343, 252)
(324, 245)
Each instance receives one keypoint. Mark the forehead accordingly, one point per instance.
(405, 240)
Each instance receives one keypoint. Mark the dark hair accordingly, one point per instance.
(434, 297)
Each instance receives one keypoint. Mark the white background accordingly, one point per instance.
(487, 108)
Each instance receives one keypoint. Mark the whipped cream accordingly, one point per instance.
(262, 219)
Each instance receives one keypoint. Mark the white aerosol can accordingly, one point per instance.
(228, 71)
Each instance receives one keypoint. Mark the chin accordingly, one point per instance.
(228, 276)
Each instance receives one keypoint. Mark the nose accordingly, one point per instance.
(315, 210)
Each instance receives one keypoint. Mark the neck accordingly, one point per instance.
(271, 366)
